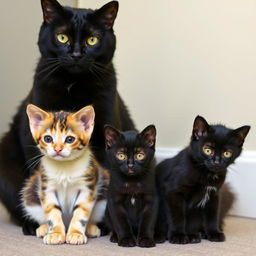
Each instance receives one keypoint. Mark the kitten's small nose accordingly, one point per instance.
(130, 165)
(76, 56)
(58, 150)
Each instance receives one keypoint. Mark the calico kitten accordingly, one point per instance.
(189, 184)
(66, 190)
(132, 201)
(75, 70)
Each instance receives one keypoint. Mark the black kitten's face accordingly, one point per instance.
(216, 147)
(130, 153)
(78, 40)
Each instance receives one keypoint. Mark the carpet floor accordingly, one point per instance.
(240, 240)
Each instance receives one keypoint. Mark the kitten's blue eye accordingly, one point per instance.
(70, 139)
(48, 139)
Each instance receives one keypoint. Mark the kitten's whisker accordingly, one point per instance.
(51, 66)
(52, 71)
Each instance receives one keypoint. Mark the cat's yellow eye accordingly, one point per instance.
(208, 151)
(121, 156)
(92, 40)
(140, 156)
(227, 154)
(62, 38)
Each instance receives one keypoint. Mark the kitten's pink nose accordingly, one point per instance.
(58, 150)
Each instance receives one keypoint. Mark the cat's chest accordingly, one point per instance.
(200, 197)
(67, 191)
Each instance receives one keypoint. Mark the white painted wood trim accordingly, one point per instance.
(241, 176)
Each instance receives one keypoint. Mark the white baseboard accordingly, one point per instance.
(241, 176)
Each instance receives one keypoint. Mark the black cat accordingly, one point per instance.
(132, 200)
(189, 185)
(75, 70)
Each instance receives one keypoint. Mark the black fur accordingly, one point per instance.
(183, 180)
(132, 200)
(68, 77)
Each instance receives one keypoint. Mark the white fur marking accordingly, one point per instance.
(206, 197)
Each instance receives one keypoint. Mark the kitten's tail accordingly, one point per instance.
(227, 199)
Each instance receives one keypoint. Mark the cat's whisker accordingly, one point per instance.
(52, 71)
(47, 68)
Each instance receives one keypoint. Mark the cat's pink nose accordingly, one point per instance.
(58, 150)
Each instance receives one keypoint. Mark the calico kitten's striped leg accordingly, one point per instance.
(53, 214)
(81, 215)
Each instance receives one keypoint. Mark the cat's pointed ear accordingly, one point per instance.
(36, 116)
(85, 117)
(51, 8)
(107, 14)
(241, 133)
(111, 135)
(200, 128)
(149, 135)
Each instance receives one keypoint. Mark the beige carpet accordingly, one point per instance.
(240, 233)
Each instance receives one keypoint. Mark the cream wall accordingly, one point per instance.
(178, 58)
(19, 25)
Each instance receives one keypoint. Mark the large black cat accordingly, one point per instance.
(132, 199)
(75, 70)
(189, 185)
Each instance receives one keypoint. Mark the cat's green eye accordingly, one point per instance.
(121, 156)
(227, 154)
(92, 40)
(62, 38)
(140, 156)
(208, 151)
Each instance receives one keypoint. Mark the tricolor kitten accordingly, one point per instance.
(67, 189)
(190, 185)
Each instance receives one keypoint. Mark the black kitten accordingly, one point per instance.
(132, 201)
(75, 70)
(189, 184)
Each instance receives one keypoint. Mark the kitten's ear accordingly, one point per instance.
(149, 135)
(241, 133)
(85, 117)
(200, 128)
(107, 14)
(111, 135)
(51, 8)
(36, 116)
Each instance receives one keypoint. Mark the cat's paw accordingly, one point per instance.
(54, 238)
(127, 242)
(76, 238)
(194, 238)
(113, 238)
(216, 237)
(178, 239)
(42, 230)
(146, 242)
(92, 231)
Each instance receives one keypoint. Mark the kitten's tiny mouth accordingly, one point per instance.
(130, 171)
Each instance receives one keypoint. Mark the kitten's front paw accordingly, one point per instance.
(178, 239)
(76, 238)
(127, 242)
(42, 230)
(194, 238)
(113, 238)
(92, 231)
(146, 242)
(54, 238)
(216, 237)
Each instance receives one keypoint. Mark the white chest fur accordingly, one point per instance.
(206, 196)
(66, 179)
